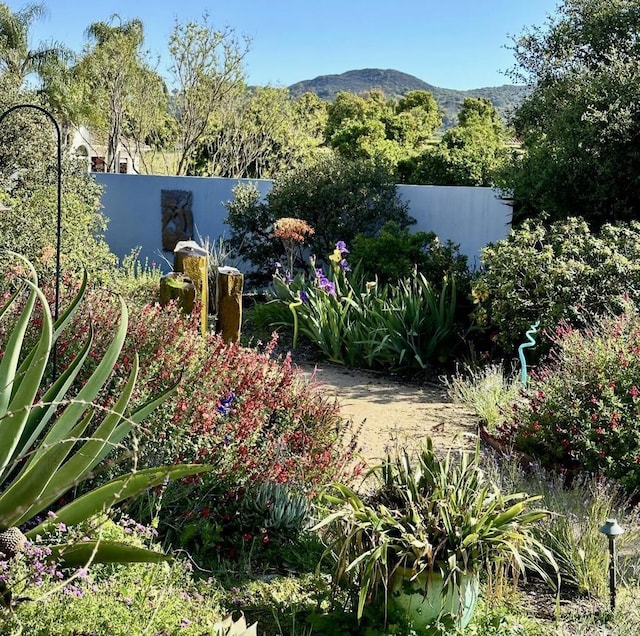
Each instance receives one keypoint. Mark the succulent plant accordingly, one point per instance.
(280, 508)
(46, 444)
(12, 541)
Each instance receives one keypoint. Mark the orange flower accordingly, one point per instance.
(289, 229)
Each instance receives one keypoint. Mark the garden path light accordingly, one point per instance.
(612, 530)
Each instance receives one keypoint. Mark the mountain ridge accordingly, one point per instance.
(396, 84)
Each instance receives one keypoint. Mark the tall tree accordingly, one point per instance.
(17, 60)
(470, 154)
(118, 82)
(370, 125)
(261, 133)
(580, 126)
(207, 71)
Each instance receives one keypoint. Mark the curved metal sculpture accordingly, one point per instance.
(530, 343)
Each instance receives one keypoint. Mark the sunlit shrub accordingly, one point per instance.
(583, 407)
(552, 273)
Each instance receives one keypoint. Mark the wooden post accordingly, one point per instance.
(192, 260)
(229, 301)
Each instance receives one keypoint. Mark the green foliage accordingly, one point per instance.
(338, 198)
(140, 598)
(259, 133)
(207, 70)
(119, 90)
(395, 253)
(371, 126)
(468, 155)
(17, 59)
(583, 411)
(578, 125)
(427, 515)
(48, 445)
(28, 178)
(563, 272)
(407, 325)
(250, 525)
(487, 392)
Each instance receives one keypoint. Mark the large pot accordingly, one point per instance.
(419, 599)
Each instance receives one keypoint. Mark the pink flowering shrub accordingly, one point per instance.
(246, 411)
(243, 409)
(582, 411)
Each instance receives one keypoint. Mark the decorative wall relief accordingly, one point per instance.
(177, 217)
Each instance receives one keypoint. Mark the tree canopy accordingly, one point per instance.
(17, 59)
(471, 154)
(580, 126)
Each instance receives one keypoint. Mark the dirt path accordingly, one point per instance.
(394, 412)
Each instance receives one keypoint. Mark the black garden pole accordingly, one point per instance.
(44, 111)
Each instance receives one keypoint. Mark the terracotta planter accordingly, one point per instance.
(421, 601)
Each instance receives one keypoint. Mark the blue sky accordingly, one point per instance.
(457, 44)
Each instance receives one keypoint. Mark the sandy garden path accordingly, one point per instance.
(393, 412)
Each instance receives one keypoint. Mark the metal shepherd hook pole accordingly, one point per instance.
(44, 111)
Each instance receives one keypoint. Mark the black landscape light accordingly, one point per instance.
(612, 531)
(44, 111)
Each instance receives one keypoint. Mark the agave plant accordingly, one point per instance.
(49, 442)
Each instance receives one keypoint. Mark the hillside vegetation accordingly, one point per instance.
(396, 84)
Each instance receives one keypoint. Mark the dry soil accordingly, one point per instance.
(389, 412)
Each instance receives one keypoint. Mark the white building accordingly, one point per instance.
(84, 146)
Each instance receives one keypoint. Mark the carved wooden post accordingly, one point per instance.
(191, 259)
(229, 302)
(178, 287)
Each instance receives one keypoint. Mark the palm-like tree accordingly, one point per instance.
(17, 60)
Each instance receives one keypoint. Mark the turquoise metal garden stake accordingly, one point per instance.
(531, 343)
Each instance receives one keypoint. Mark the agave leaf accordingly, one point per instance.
(64, 319)
(88, 393)
(58, 326)
(22, 499)
(43, 410)
(89, 454)
(109, 494)
(14, 415)
(13, 349)
(83, 553)
(124, 428)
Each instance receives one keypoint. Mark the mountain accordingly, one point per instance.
(395, 84)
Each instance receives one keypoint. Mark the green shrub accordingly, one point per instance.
(487, 391)
(552, 273)
(583, 406)
(336, 197)
(394, 253)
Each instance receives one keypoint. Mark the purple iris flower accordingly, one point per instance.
(342, 247)
(327, 286)
(304, 296)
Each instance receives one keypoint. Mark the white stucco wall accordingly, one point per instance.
(471, 217)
